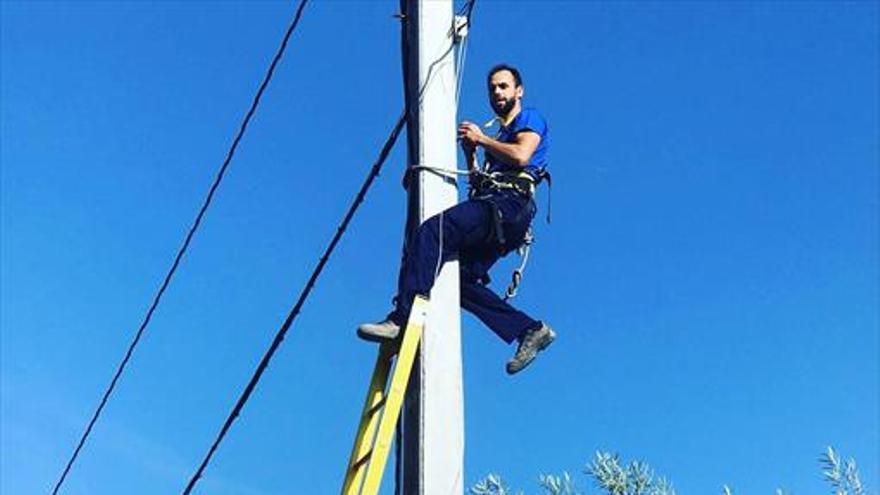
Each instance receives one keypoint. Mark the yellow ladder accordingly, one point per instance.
(382, 407)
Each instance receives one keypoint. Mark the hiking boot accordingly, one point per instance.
(378, 332)
(530, 344)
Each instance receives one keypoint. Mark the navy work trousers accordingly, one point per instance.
(469, 231)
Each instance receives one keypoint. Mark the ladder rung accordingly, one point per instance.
(376, 408)
(361, 461)
(376, 432)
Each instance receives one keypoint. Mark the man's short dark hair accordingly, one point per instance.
(509, 68)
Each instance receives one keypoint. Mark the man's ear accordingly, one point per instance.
(520, 91)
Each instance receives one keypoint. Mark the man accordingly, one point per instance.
(491, 223)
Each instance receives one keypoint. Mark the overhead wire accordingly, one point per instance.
(180, 253)
(340, 230)
(291, 316)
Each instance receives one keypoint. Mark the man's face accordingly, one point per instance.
(503, 92)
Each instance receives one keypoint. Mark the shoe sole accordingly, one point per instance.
(369, 337)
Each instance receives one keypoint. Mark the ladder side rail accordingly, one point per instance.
(370, 416)
(397, 389)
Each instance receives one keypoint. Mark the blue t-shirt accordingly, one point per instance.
(531, 120)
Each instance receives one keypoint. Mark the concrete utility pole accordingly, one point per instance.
(433, 416)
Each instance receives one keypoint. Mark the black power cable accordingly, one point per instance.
(279, 336)
(304, 294)
(183, 248)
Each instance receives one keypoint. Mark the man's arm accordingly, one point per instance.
(517, 153)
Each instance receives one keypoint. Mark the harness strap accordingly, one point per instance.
(498, 219)
(543, 175)
(521, 182)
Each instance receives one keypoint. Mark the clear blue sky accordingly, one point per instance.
(712, 266)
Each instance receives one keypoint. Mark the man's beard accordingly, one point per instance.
(505, 109)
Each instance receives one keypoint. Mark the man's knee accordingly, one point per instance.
(473, 272)
(429, 228)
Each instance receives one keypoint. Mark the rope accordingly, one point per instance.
(443, 172)
(461, 57)
(180, 253)
(459, 73)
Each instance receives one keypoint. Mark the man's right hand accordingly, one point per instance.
(470, 133)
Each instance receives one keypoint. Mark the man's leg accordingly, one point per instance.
(467, 224)
(464, 225)
(506, 321)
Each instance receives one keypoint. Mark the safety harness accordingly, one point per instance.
(483, 183)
